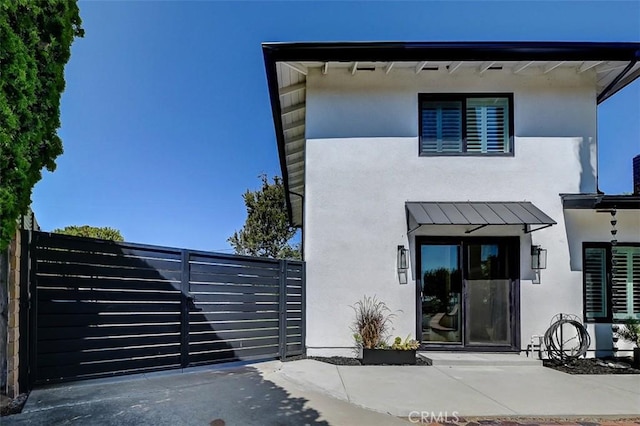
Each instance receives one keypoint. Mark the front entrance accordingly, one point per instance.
(468, 293)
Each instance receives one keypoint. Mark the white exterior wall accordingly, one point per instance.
(362, 165)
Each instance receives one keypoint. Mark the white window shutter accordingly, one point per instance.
(487, 125)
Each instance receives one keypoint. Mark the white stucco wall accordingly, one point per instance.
(362, 165)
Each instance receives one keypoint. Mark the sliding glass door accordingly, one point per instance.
(467, 292)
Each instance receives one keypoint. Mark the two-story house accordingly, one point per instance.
(458, 183)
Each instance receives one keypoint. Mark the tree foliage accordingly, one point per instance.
(35, 44)
(266, 231)
(103, 233)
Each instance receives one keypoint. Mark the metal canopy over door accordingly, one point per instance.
(468, 293)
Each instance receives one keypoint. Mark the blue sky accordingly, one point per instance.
(166, 118)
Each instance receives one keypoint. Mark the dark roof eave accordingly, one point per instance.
(600, 202)
(449, 51)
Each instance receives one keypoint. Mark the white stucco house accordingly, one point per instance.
(458, 183)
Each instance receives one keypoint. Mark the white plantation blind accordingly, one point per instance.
(626, 282)
(487, 125)
(595, 299)
(441, 126)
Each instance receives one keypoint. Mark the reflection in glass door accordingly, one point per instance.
(441, 293)
(488, 288)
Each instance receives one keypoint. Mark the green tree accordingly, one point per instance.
(35, 44)
(103, 233)
(266, 231)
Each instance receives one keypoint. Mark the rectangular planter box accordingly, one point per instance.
(388, 357)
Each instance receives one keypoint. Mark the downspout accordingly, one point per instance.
(302, 226)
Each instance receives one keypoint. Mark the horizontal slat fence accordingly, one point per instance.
(101, 308)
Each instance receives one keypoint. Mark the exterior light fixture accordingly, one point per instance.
(538, 258)
(403, 264)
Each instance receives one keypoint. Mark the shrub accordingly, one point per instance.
(630, 331)
(372, 323)
(407, 345)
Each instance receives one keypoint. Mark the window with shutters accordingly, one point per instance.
(611, 282)
(466, 124)
(625, 282)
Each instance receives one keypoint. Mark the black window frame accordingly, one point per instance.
(609, 294)
(462, 97)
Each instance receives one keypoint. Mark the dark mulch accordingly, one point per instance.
(593, 366)
(12, 406)
(342, 360)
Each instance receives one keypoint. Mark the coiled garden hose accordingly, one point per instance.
(562, 349)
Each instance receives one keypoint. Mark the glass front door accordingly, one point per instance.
(467, 292)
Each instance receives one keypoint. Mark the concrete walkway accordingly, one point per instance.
(496, 391)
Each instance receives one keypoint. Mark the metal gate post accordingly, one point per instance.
(185, 301)
(282, 323)
(28, 290)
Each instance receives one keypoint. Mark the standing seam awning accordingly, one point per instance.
(477, 213)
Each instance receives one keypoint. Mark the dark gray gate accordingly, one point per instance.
(100, 308)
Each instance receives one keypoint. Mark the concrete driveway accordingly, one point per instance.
(256, 394)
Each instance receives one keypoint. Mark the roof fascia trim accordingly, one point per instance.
(274, 95)
(443, 51)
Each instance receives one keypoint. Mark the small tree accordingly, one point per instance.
(103, 233)
(266, 231)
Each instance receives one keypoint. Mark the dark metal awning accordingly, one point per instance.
(477, 214)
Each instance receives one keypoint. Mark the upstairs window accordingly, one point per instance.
(467, 124)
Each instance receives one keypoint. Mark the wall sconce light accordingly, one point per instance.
(538, 258)
(403, 264)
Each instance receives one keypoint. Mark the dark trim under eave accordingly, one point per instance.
(600, 202)
(274, 95)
